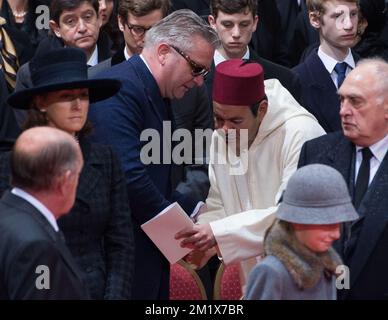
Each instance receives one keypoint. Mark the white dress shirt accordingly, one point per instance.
(330, 63)
(218, 57)
(93, 60)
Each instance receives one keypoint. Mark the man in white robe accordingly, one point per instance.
(248, 176)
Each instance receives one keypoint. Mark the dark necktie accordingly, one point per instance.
(8, 59)
(363, 177)
(340, 68)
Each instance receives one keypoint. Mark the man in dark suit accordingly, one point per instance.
(34, 261)
(191, 112)
(177, 54)
(235, 21)
(324, 70)
(360, 154)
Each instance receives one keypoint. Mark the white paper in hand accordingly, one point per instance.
(162, 228)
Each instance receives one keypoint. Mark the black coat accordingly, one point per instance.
(368, 263)
(98, 229)
(27, 240)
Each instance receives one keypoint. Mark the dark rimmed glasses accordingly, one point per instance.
(196, 69)
(136, 30)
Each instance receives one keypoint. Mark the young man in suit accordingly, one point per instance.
(176, 56)
(235, 21)
(359, 152)
(323, 71)
(34, 261)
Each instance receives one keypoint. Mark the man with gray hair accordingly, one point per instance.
(177, 55)
(34, 261)
(360, 153)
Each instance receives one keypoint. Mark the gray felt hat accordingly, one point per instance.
(316, 194)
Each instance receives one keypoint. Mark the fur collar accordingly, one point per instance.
(305, 266)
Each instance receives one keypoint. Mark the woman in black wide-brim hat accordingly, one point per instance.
(98, 229)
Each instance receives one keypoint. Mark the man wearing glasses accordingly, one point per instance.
(150, 80)
(193, 111)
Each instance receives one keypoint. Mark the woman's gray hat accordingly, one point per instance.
(316, 194)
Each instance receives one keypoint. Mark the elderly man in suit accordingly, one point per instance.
(34, 261)
(359, 152)
(177, 55)
(323, 71)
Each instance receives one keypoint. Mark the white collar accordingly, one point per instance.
(330, 62)
(38, 205)
(218, 57)
(379, 149)
(126, 55)
(145, 62)
(93, 60)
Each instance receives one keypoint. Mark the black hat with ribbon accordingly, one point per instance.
(62, 69)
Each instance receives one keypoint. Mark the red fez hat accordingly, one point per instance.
(238, 82)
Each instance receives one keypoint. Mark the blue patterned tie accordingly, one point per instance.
(340, 68)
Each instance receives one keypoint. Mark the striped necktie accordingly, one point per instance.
(8, 58)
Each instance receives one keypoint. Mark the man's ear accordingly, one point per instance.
(255, 21)
(315, 19)
(99, 21)
(263, 107)
(212, 21)
(64, 182)
(55, 28)
(163, 50)
(120, 23)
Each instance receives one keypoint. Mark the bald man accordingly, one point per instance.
(34, 261)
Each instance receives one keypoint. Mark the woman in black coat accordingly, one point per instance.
(98, 229)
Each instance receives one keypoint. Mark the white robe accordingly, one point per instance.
(241, 207)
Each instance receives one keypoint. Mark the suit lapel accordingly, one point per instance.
(22, 205)
(341, 158)
(373, 208)
(324, 91)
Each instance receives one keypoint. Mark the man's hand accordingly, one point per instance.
(197, 259)
(199, 237)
